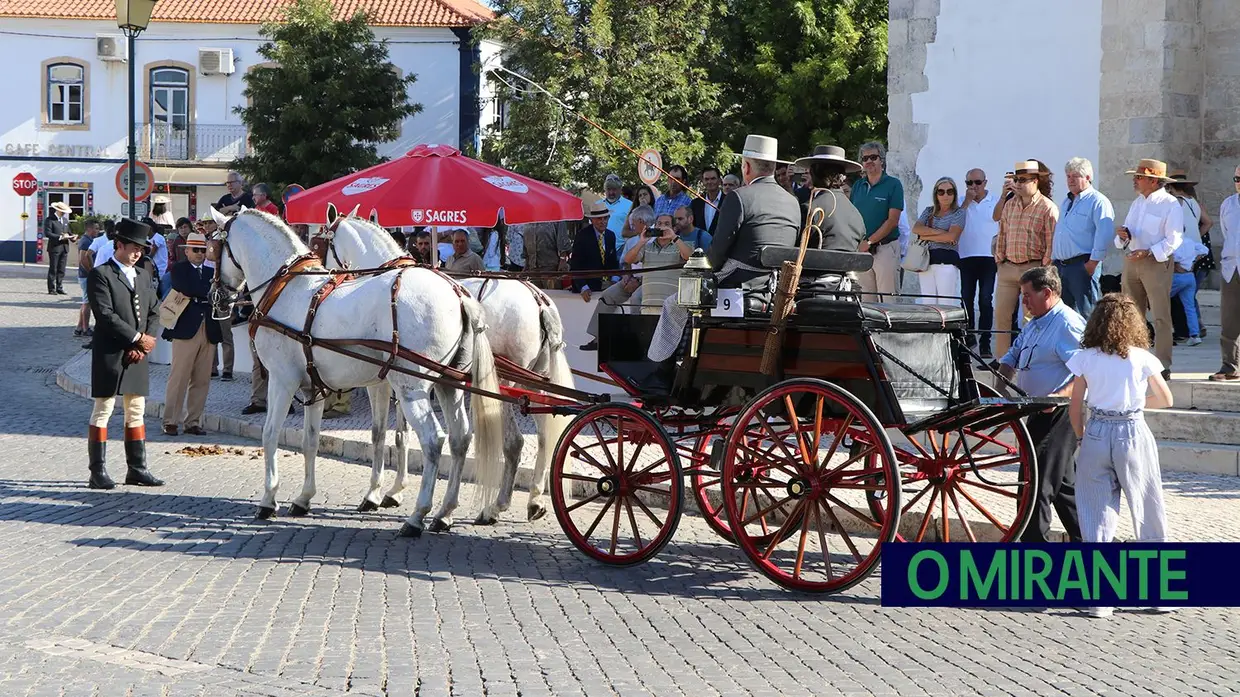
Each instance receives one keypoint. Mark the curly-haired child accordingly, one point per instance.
(1117, 450)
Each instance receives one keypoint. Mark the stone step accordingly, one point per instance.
(1195, 426)
(1206, 395)
(1199, 458)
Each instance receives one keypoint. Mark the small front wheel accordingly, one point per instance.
(616, 485)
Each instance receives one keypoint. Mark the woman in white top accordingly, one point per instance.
(1114, 370)
(941, 225)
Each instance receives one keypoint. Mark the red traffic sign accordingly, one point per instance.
(290, 191)
(649, 165)
(143, 185)
(25, 184)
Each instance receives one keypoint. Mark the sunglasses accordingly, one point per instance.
(1236, 179)
(1024, 180)
(869, 158)
(945, 192)
(975, 182)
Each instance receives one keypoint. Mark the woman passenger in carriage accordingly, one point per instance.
(842, 226)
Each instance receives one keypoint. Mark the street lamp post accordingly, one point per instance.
(133, 16)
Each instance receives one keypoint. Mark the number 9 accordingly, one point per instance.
(727, 304)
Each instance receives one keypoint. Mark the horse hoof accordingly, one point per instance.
(437, 525)
(484, 519)
(297, 511)
(367, 506)
(265, 513)
(535, 511)
(408, 530)
(389, 502)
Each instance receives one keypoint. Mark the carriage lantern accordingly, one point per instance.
(697, 290)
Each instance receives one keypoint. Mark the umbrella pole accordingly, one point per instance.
(435, 248)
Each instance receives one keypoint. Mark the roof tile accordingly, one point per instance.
(390, 13)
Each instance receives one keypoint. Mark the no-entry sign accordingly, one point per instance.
(25, 184)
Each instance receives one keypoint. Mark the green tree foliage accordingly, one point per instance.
(329, 99)
(689, 79)
(631, 67)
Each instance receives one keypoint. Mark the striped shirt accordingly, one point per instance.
(1026, 234)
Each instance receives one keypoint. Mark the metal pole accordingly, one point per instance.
(133, 151)
(25, 216)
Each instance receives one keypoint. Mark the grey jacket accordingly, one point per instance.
(751, 217)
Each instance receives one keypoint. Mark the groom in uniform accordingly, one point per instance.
(126, 309)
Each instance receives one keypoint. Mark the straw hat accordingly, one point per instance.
(1027, 167)
(1154, 169)
(62, 207)
(196, 240)
(593, 207)
(160, 198)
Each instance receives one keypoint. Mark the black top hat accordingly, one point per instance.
(128, 230)
(830, 154)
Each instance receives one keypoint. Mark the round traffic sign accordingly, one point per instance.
(649, 165)
(25, 184)
(290, 191)
(143, 185)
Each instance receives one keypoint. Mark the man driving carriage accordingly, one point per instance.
(758, 214)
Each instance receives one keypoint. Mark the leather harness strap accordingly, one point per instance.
(278, 283)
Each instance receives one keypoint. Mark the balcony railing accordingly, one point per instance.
(197, 142)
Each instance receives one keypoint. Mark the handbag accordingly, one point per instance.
(171, 308)
(917, 258)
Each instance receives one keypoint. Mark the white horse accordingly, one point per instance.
(522, 329)
(433, 322)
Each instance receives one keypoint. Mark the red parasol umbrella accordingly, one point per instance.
(436, 185)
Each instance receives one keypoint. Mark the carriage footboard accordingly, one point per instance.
(983, 413)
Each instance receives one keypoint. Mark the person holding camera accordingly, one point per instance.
(629, 290)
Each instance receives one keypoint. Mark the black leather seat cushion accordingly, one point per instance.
(829, 312)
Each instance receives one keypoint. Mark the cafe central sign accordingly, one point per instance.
(68, 152)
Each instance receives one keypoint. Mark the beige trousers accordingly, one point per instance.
(1007, 300)
(191, 372)
(884, 276)
(135, 409)
(1148, 282)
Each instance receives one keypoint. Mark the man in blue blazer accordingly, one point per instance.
(193, 340)
(594, 249)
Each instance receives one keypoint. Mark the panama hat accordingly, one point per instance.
(195, 239)
(1179, 176)
(1027, 167)
(160, 198)
(593, 206)
(62, 207)
(128, 230)
(829, 154)
(763, 148)
(1154, 169)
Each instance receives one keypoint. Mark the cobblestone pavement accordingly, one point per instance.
(179, 591)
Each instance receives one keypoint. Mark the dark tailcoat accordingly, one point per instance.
(751, 217)
(196, 284)
(120, 313)
(699, 214)
(586, 257)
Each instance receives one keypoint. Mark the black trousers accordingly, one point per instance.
(57, 260)
(1055, 444)
(977, 279)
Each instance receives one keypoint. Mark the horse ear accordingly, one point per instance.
(332, 213)
(353, 213)
(220, 219)
(374, 216)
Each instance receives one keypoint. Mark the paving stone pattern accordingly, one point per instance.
(179, 591)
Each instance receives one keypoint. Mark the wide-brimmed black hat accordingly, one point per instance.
(133, 231)
(830, 154)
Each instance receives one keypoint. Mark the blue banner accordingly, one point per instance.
(1134, 574)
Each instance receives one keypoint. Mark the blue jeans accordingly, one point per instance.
(1184, 287)
(1080, 289)
(165, 284)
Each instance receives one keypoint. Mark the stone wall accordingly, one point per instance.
(1220, 137)
(911, 27)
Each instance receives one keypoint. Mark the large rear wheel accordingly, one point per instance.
(794, 494)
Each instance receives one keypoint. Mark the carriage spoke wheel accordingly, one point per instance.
(795, 494)
(970, 485)
(616, 485)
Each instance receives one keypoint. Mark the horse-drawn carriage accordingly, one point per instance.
(870, 427)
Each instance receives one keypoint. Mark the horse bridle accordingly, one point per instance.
(223, 295)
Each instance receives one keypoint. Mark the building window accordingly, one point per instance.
(169, 117)
(76, 199)
(66, 94)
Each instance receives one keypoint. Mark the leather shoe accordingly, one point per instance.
(591, 346)
(254, 409)
(194, 431)
(171, 430)
(100, 480)
(142, 477)
(61, 292)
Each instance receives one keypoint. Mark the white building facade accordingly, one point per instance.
(64, 115)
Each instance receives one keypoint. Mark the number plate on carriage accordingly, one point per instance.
(731, 303)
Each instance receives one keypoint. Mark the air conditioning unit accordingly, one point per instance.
(111, 47)
(215, 61)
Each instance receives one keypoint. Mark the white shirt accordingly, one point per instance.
(1192, 219)
(1115, 384)
(129, 273)
(1229, 222)
(103, 249)
(709, 212)
(1187, 253)
(980, 228)
(1156, 223)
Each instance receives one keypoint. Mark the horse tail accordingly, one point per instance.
(551, 353)
(487, 412)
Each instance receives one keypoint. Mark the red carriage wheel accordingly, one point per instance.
(616, 484)
(794, 495)
(971, 485)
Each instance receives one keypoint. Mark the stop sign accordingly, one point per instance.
(25, 184)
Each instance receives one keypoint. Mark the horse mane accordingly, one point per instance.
(278, 223)
(381, 237)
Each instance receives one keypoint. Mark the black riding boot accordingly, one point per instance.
(135, 458)
(97, 448)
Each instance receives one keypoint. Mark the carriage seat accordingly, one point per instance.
(827, 311)
(817, 261)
